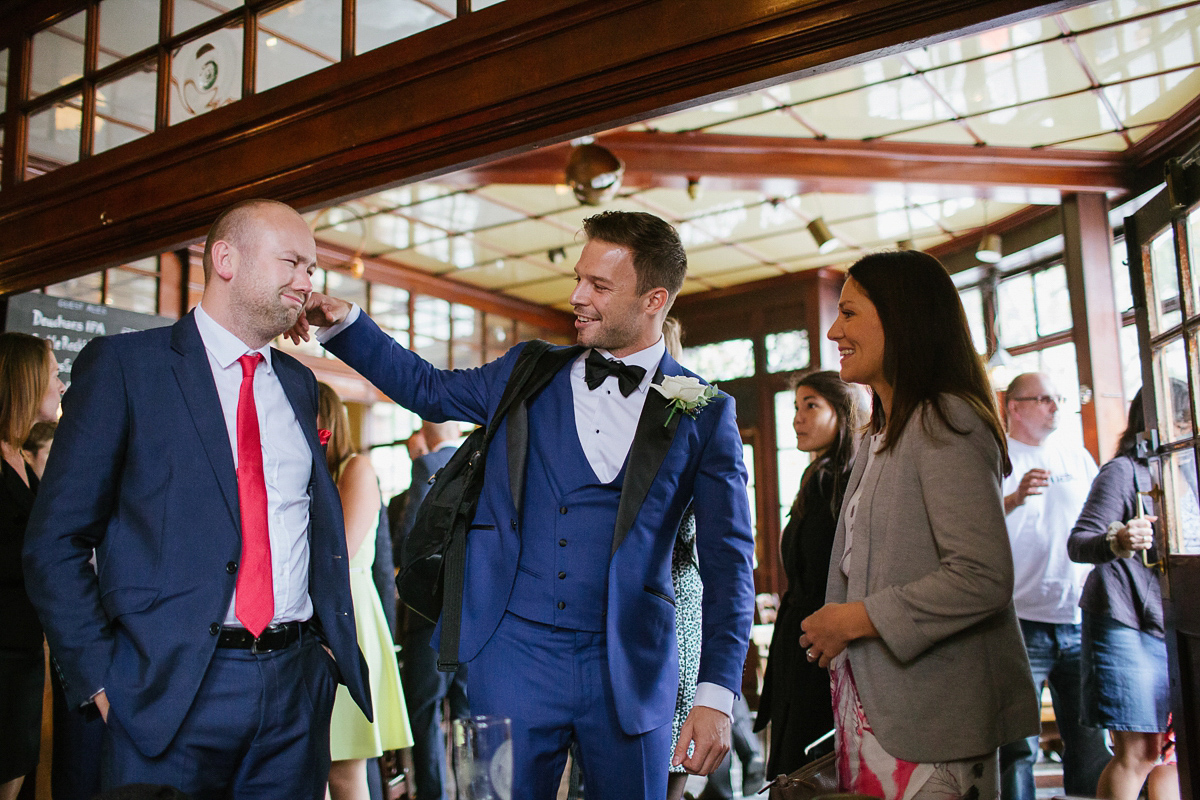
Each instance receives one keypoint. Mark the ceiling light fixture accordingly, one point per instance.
(989, 248)
(594, 174)
(693, 188)
(556, 255)
(826, 241)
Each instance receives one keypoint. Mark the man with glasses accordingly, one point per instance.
(1043, 495)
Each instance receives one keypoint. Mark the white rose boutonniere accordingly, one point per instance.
(686, 394)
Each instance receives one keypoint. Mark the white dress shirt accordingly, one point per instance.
(606, 422)
(287, 466)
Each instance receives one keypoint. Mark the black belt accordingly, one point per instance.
(276, 637)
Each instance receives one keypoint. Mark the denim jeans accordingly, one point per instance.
(1054, 658)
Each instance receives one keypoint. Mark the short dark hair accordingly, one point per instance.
(927, 347)
(658, 255)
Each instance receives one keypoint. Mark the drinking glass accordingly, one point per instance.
(483, 758)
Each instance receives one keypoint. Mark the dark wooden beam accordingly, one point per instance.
(497, 82)
(1096, 321)
(829, 165)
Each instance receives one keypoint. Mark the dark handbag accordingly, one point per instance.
(815, 779)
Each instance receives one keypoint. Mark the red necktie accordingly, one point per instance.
(255, 604)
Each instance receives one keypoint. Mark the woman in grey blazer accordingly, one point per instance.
(928, 667)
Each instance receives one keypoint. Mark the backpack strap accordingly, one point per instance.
(536, 364)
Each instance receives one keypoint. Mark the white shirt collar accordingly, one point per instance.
(224, 346)
(648, 359)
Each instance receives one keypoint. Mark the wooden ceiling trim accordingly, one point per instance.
(667, 159)
(499, 81)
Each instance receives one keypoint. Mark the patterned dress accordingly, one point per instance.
(689, 591)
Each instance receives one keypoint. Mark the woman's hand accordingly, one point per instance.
(1137, 534)
(832, 627)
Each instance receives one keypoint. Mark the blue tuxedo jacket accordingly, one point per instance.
(691, 460)
(142, 471)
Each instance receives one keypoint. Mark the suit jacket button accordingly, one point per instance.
(562, 576)
(231, 567)
(513, 523)
(561, 605)
(215, 628)
(562, 510)
(562, 542)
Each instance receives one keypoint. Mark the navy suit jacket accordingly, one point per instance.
(669, 465)
(141, 471)
(423, 468)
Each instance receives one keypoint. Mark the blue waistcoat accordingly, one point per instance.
(567, 520)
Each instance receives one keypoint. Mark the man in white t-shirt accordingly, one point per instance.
(1043, 495)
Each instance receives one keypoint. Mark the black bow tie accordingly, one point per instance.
(597, 368)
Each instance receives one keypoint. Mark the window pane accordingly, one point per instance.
(54, 135)
(1164, 312)
(791, 460)
(134, 291)
(206, 74)
(1183, 512)
(297, 39)
(972, 300)
(722, 361)
(390, 423)
(1174, 411)
(58, 54)
(126, 26)
(3, 78)
(1121, 288)
(1059, 364)
(389, 307)
(468, 343)
(1053, 300)
(787, 351)
(748, 459)
(190, 13)
(1015, 311)
(346, 287)
(380, 22)
(499, 336)
(87, 288)
(478, 4)
(431, 317)
(125, 108)
(1193, 235)
(1131, 360)
(435, 351)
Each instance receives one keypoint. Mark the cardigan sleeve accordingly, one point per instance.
(1108, 501)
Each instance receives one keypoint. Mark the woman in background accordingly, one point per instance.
(352, 739)
(928, 667)
(29, 393)
(795, 697)
(1124, 653)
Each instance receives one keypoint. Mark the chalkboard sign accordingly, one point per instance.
(70, 324)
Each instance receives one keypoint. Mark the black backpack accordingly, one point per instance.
(432, 556)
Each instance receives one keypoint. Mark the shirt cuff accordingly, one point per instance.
(325, 334)
(712, 695)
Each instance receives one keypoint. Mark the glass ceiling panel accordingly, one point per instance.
(777, 123)
(1142, 48)
(876, 110)
(533, 200)
(1006, 79)
(676, 203)
(528, 235)
(838, 81)
(1094, 14)
(983, 44)
(1045, 122)
(1153, 99)
(1110, 142)
(743, 276)
(714, 113)
(941, 133)
(514, 271)
(460, 212)
(718, 259)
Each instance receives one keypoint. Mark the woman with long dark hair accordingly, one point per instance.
(29, 393)
(795, 697)
(928, 669)
(1124, 650)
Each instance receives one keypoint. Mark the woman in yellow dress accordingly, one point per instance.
(352, 739)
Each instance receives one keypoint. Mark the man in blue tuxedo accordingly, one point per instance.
(568, 613)
(218, 620)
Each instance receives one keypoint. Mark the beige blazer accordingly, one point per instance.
(949, 678)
